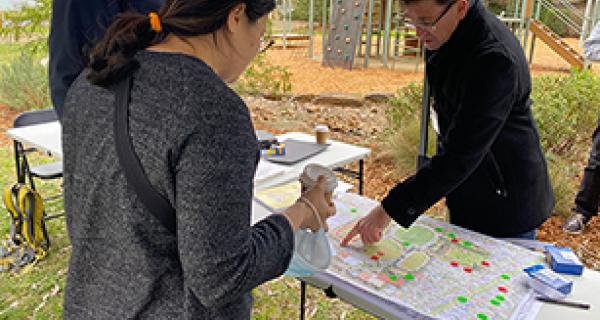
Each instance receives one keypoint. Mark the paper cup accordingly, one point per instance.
(322, 134)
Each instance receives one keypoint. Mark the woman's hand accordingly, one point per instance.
(302, 215)
(370, 228)
(323, 204)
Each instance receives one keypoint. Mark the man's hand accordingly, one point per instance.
(370, 228)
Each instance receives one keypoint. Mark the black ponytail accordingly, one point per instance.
(112, 58)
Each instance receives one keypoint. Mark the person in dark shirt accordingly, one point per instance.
(588, 196)
(489, 163)
(75, 27)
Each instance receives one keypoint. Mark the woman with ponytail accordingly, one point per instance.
(195, 142)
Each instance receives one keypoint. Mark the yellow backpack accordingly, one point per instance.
(28, 241)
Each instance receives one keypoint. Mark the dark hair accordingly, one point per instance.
(112, 58)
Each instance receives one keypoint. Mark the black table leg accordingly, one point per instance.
(302, 298)
(361, 171)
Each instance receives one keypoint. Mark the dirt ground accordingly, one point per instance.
(308, 76)
(363, 125)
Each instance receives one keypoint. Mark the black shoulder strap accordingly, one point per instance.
(158, 205)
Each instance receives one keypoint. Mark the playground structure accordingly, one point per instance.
(577, 22)
(375, 32)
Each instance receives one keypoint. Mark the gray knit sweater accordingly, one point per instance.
(196, 143)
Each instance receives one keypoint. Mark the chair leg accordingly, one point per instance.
(18, 165)
(22, 165)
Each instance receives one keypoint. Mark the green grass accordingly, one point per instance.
(37, 293)
(9, 51)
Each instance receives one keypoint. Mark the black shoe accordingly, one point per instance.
(575, 224)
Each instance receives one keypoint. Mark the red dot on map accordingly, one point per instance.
(380, 253)
(485, 263)
(503, 289)
(454, 264)
(454, 240)
(468, 270)
(374, 258)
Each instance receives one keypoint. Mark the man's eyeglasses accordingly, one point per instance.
(265, 45)
(431, 26)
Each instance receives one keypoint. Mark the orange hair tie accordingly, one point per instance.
(155, 22)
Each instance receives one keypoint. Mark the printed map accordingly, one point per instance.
(433, 269)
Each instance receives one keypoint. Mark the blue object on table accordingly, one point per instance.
(548, 282)
(563, 260)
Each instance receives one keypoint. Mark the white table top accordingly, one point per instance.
(336, 155)
(46, 136)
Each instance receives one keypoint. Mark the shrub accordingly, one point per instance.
(24, 84)
(403, 133)
(262, 77)
(566, 109)
(302, 7)
(562, 173)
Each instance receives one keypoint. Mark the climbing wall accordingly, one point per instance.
(344, 33)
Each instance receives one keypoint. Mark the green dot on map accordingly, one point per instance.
(409, 277)
(462, 299)
(505, 277)
(500, 298)
(467, 244)
(406, 243)
(482, 316)
(353, 210)
(451, 235)
(393, 278)
(495, 302)
(439, 230)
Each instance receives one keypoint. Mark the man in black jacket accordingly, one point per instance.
(489, 163)
(75, 27)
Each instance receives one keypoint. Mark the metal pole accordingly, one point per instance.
(585, 28)
(311, 18)
(388, 25)
(596, 12)
(370, 33)
(522, 23)
(324, 28)
(527, 16)
(536, 14)
(379, 24)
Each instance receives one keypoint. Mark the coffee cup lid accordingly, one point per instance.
(322, 128)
